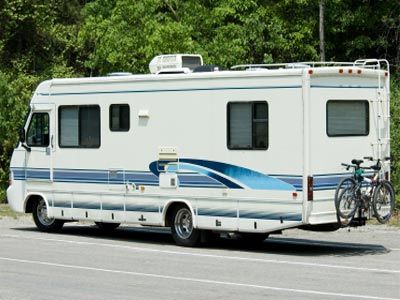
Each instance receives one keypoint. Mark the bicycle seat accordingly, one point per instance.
(357, 162)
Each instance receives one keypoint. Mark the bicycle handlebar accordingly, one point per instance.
(375, 167)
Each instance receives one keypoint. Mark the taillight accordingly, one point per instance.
(310, 188)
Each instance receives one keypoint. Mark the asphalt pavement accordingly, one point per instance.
(82, 262)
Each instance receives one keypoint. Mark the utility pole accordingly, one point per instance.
(321, 30)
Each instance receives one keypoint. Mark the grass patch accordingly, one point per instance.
(394, 220)
(5, 211)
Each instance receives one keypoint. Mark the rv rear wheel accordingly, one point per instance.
(182, 227)
(41, 219)
(107, 226)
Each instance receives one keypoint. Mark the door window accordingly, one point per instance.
(38, 130)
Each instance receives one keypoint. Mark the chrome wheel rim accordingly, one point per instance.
(42, 214)
(183, 223)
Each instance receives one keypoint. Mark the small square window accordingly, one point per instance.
(248, 125)
(347, 118)
(119, 117)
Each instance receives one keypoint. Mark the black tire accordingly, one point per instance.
(183, 232)
(345, 199)
(253, 238)
(383, 201)
(44, 223)
(107, 226)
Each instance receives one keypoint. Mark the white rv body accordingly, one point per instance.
(176, 149)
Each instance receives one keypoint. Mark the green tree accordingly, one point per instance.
(14, 97)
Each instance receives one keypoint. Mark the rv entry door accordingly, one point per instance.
(40, 140)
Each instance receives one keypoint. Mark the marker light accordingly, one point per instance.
(310, 71)
(341, 71)
(386, 74)
(350, 71)
(359, 71)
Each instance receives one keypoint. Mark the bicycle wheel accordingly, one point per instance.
(383, 201)
(346, 199)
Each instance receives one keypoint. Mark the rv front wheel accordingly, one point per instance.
(182, 227)
(42, 220)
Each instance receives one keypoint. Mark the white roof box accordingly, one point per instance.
(175, 61)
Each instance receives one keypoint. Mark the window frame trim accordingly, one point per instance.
(109, 117)
(228, 119)
(347, 101)
(79, 121)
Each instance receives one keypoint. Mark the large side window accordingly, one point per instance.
(248, 125)
(347, 118)
(119, 117)
(38, 130)
(79, 126)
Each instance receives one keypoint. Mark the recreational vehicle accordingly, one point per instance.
(252, 150)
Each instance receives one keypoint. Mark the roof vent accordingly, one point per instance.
(175, 61)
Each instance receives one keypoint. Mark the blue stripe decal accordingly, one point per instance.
(141, 208)
(207, 174)
(270, 216)
(112, 206)
(86, 205)
(216, 212)
(174, 90)
(62, 203)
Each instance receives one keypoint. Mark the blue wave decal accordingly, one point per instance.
(226, 182)
(235, 175)
(252, 179)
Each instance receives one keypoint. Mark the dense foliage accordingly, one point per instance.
(66, 38)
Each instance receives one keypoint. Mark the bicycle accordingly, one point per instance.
(360, 193)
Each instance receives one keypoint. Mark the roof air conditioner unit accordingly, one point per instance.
(175, 61)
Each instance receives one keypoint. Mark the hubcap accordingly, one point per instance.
(183, 223)
(42, 214)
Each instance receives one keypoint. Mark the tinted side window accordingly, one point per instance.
(347, 118)
(38, 130)
(79, 126)
(248, 125)
(119, 117)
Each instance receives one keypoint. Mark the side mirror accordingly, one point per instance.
(22, 135)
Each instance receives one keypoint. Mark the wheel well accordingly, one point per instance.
(170, 210)
(29, 203)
